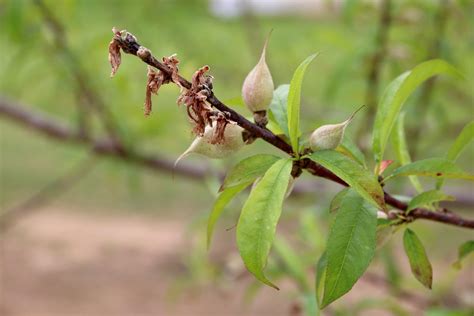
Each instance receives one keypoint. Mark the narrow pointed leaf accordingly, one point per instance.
(259, 218)
(464, 250)
(278, 109)
(401, 149)
(350, 247)
(432, 167)
(294, 100)
(359, 178)
(396, 94)
(428, 197)
(248, 170)
(464, 138)
(221, 202)
(419, 262)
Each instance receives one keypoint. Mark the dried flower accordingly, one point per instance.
(114, 52)
(199, 111)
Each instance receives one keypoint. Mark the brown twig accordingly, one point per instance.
(130, 45)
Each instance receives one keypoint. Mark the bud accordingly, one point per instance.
(330, 136)
(257, 90)
(232, 142)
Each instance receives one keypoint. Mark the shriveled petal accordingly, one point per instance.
(115, 57)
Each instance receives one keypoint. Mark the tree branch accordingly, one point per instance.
(57, 130)
(130, 46)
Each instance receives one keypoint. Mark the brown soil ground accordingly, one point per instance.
(65, 263)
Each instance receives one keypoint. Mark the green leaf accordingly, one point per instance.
(359, 178)
(320, 277)
(395, 96)
(461, 142)
(350, 247)
(464, 250)
(259, 217)
(419, 262)
(294, 98)
(221, 202)
(428, 197)
(401, 149)
(348, 146)
(337, 200)
(432, 167)
(278, 110)
(248, 170)
(292, 262)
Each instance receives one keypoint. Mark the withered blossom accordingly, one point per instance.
(155, 79)
(199, 111)
(172, 63)
(220, 122)
(114, 52)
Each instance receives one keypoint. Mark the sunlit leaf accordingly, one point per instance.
(401, 149)
(432, 167)
(294, 100)
(395, 96)
(464, 138)
(259, 218)
(248, 170)
(464, 250)
(428, 197)
(350, 247)
(419, 262)
(359, 178)
(278, 109)
(221, 202)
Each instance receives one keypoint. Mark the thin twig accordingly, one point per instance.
(43, 196)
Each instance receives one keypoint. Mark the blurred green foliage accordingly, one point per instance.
(34, 72)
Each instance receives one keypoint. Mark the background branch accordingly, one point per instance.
(53, 189)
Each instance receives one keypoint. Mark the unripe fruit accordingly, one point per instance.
(329, 136)
(231, 143)
(257, 90)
